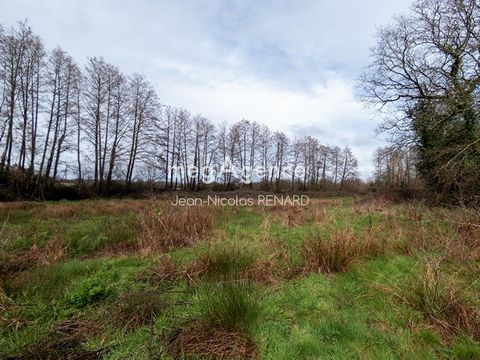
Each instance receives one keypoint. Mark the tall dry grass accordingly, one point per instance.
(162, 227)
(455, 234)
(296, 215)
(88, 208)
(337, 251)
(440, 300)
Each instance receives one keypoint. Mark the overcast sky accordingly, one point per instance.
(292, 65)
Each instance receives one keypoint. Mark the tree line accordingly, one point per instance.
(396, 168)
(95, 125)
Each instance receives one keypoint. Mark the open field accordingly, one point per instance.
(340, 278)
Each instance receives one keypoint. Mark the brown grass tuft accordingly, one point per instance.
(367, 205)
(455, 234)
(329, 255)
(262, 271)
(198, 341)
(441, 302)
(231, 262)
(163, 227)
(337, 252)
(13, 263)
(294, 215)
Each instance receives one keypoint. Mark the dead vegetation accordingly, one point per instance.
(339, 250)
(441, 302)
(88, 208)
(368, 205)
(227, 261)
(14, 262)
(198, 341)
(10, 317)
(295, 215)
(163, 227)
(222, 327)
(64, 210)
(453, 234)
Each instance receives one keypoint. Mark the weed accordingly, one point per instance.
(89, 291)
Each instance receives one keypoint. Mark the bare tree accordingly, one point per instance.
(95, 98)
(62, 75)
(349, 170)
(143, 110)
(13, 47)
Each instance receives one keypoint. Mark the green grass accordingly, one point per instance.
(354, 313)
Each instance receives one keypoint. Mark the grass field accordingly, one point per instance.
(340, 278)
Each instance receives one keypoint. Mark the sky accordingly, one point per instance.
(291, 65)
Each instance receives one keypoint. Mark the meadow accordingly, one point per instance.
(344, 277)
